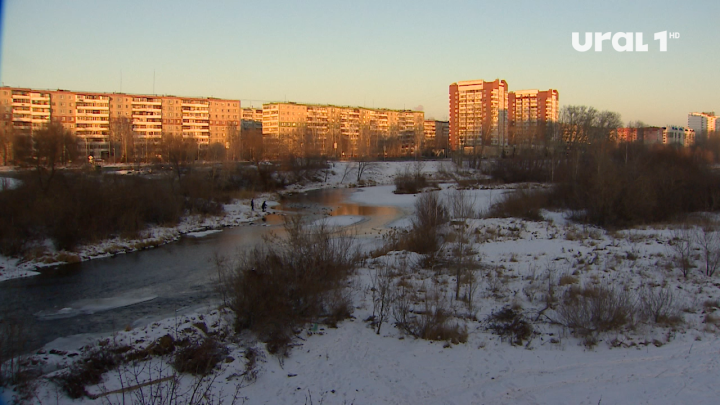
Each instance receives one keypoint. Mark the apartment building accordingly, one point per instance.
(24, 109)
(224, 120)
(93, 117)
(703, 122)
(342, 131)
(676, 135)
(646, 135)
(528, 113)
(251, 118)
(478, 114)
(436, 135)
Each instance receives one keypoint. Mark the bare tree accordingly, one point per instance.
(5, 143)
(363, 167)
(708, 240)
(52, 145)
(178, 152)
(461, 204)
(658, 303)
(122, 138)
(681, 244)
(383, 293)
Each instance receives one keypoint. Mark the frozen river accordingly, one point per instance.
(128, 290)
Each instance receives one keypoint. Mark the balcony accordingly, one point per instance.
(147, 117)
(195, 104)
(146, 101)
(90, 106)
(194, 130)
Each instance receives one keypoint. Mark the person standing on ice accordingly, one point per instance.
(252, 204)
(264, 206)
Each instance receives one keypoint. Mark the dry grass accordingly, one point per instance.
(567, 279)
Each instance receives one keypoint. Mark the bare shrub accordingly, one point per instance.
(199, 357)
(708, 239)
(593, 309)
(658, 304)
(429, 215)
(433, 322)
(511, 325)
(528, 165)
(89, 370)
(521, 203)
(383, 294)
(121, 205)
(472, 283)
(409, 182)
(13, 335)
(153, 382)
(424, 236)
(429, 211)
(16, 368)
(402, 306)
(681, 246)
(635, 184)
(288, 282)
(339, 307)
(461, 204)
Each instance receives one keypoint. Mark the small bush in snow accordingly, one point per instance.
(594, 309)
(510, 325)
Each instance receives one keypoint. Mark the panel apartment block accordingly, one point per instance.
(478, 114)
(342, 131)
(528, 113)
(93, 116)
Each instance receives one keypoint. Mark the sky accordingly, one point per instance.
(389, 54)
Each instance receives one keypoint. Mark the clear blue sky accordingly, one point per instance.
(394, 54)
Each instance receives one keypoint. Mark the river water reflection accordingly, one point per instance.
(105, 295)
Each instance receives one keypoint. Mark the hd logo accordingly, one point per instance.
(621, 41)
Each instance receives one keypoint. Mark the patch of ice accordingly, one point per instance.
(91, 306)
(340, 220)
(201, 234)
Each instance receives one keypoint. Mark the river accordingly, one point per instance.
(134, 289)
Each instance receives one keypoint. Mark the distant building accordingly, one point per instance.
(670, 134)
(702, 123)
(478, 114)
(675, 135)
(252, 118)
(92, 117)
(529, 112)
(342, 131)
(646, 135)
(436, 135)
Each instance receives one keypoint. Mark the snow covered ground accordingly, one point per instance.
(353, 365)
(518, 264)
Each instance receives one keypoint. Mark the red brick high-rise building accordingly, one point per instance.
(478, 114)
(529, 113)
